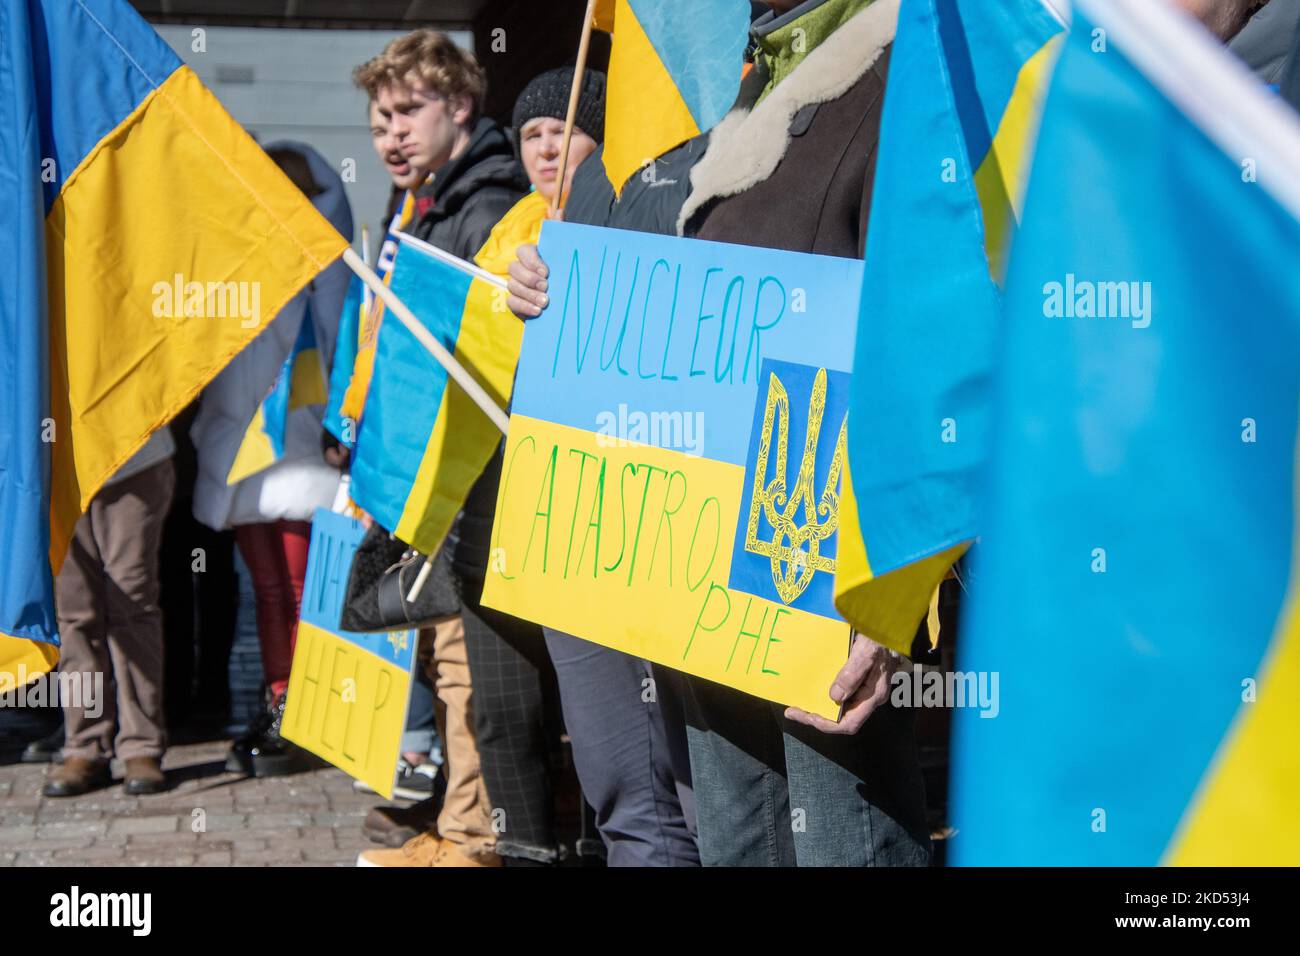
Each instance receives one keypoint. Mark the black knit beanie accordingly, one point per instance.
(548, 95)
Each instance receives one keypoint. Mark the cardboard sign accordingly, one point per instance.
(677, 441)
(348, 692)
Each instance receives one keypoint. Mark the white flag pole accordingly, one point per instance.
(1060, 9)
(426, 338)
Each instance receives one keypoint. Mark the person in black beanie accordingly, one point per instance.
(624, 719)
(539, 120)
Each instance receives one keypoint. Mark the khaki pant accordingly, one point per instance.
(465, 818)
(109, 620)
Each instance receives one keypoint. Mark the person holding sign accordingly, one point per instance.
(464, 209)
(791, 168)
(624, 714)
(819, 73)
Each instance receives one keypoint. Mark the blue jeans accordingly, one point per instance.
(629, 748)
(770, 792)
(420, 735)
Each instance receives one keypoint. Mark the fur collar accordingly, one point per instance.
(747, 145)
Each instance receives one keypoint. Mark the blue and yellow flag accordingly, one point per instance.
(346, 346)
(965, 87)
(422, 442)
(147, 239)
(353, 403)
(1137, 582)
(300, 382)
(674, 71)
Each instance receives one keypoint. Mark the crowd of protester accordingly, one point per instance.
(694, 773)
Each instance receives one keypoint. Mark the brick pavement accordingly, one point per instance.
(209, 818)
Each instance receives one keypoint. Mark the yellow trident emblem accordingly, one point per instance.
(398, 640)
(800, 557)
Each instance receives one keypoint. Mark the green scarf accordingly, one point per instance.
(777, 49)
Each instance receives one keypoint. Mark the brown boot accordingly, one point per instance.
(78, 775)
(426, 850)
(144, 775)
(393, 826)
(449, 855)
(419, 851)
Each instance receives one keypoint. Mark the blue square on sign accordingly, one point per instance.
(787, 533)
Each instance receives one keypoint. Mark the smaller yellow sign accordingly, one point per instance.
(348, 692)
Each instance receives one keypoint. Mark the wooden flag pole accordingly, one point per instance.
(557, 201)
(426, 338)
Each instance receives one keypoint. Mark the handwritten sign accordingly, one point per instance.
(348, 692)
(676, 447)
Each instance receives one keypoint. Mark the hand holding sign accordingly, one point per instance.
(861, 686)
(527, 283)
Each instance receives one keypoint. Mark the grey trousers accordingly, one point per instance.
(109, 620)
(625, 719)
(770, 792)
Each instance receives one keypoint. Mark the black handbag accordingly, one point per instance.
(380, 580)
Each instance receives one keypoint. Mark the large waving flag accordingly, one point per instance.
(674, 71)
(301, 382)
(1138, 573)
(422, 442)
(146, 239)
(965, 86)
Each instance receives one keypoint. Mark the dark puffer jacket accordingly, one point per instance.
(651, 199)
(458, 207)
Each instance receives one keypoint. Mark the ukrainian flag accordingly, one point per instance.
(965, 87)
(351, 321)
(121, 172)
(422, 442)
(674, 71)
(1139, 571)
(353, 402)
(300, 382)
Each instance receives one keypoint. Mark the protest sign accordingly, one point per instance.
(347, 691)
(671, 478)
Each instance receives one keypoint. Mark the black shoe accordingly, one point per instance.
(281, 759)
(262, 752)
(49, 749)
(416, 782)
(240, 758)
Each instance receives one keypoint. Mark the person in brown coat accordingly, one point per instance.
(791, 167)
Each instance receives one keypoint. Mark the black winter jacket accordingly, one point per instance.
(459, 206)
(652, 196)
